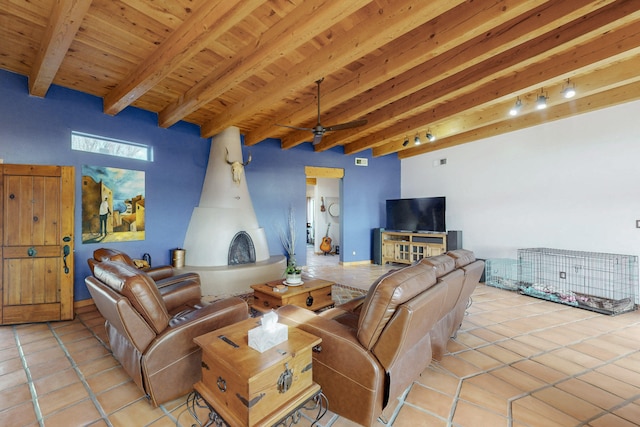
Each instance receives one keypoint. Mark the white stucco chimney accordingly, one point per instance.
(225, 209)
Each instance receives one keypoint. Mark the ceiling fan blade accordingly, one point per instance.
(349, 125)
(296, 127)
(317, 137)
(319, 130)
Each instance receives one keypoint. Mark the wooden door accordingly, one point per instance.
(37, 206)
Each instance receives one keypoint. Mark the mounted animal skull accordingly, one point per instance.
(237, 168)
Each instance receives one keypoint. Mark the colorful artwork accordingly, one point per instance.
(113, 204)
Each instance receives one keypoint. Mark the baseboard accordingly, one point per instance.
(83, 303)
(363, 262)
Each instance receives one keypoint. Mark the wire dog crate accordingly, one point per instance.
(606, 283)
(501, 273)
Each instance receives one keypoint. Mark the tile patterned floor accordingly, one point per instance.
(516, 361)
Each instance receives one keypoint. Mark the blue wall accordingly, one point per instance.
(38, 131)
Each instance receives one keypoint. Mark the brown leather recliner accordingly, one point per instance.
(374, 347)
(163, 275)
(151, 333)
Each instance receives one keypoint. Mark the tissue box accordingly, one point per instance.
(263, 338)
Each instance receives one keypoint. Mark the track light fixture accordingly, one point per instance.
(431, 137)
(406, 141)
(569, 91)
(516, 107)
(541, 102)
(416, 140)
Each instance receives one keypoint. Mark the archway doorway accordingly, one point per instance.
(324, 236)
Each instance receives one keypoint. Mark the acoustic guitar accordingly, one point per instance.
(325, 246)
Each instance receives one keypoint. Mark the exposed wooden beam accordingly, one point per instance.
(322, 172)
(303, 23)
(402, 54)
(386, 23)
(615, 96)
(438, 79)
(64, 22)
(212, 20)
(514, 71)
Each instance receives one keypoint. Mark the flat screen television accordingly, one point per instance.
(415, 215)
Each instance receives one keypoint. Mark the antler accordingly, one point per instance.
(226, 158)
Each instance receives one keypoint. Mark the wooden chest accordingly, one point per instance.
(246, 387)
(313, 294)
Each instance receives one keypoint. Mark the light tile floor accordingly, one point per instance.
(517, 361)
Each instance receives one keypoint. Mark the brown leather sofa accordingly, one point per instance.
(375, 346)
(163, 275)
(151, 330)
(461, 272)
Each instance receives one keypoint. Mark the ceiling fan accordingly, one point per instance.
(320, 130)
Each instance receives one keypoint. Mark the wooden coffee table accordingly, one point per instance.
(244, 387)
(313, 294)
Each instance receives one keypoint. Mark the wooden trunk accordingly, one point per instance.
(313, 294)
(242, 384)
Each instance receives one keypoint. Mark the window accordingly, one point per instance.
(111, 147)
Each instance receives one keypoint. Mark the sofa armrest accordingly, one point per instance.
(161, 283)
(350, 309)
(341, 349)
(350, 376)
(177, 340)
(160, 272)
(182, 293)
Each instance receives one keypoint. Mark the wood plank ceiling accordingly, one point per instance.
(452, 68)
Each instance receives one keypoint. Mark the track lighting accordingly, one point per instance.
(406, 142)
(431, 137)
(416, 140)
(569, 91)
(516, 108)
(541, 102)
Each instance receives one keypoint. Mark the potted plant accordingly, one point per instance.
(293, 272)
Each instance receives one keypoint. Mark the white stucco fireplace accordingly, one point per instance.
(224, 242)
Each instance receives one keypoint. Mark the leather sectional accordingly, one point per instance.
(375, 346)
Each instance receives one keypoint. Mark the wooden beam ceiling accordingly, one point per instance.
(453, 67)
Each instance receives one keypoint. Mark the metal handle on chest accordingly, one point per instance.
(285, 380)
(222, 384)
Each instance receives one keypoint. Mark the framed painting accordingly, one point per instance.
(113, 204)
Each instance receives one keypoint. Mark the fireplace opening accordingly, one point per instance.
(241, 250)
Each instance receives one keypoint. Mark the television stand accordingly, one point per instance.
(406, 247)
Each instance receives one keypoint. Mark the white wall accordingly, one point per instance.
(329, 190)
(569, 184)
